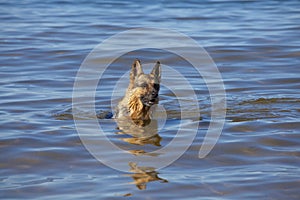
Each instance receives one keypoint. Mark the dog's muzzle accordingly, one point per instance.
(151, 99)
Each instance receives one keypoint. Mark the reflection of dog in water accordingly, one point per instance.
(140, 135)
(144, 175)
(141, 94)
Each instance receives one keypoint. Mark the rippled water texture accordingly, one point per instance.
(255, 45)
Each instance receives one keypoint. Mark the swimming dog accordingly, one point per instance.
(141, 94)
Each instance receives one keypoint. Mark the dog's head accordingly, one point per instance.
(145, 87)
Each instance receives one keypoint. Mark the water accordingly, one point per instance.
(256, 47)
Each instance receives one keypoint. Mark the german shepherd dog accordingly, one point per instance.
(141, 94)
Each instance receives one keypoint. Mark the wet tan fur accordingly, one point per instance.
(136, 108)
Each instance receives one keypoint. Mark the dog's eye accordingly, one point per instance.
(143, 85)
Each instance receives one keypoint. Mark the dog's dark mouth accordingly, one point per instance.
(150, 102)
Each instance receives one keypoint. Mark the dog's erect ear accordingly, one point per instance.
(136, 69)
(156, 71)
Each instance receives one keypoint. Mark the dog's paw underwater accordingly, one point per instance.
(141, 94)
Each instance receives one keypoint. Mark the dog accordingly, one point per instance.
(141, 94)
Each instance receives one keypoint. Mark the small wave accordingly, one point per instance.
(262, 108)
(270, 101)
(70, 114)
